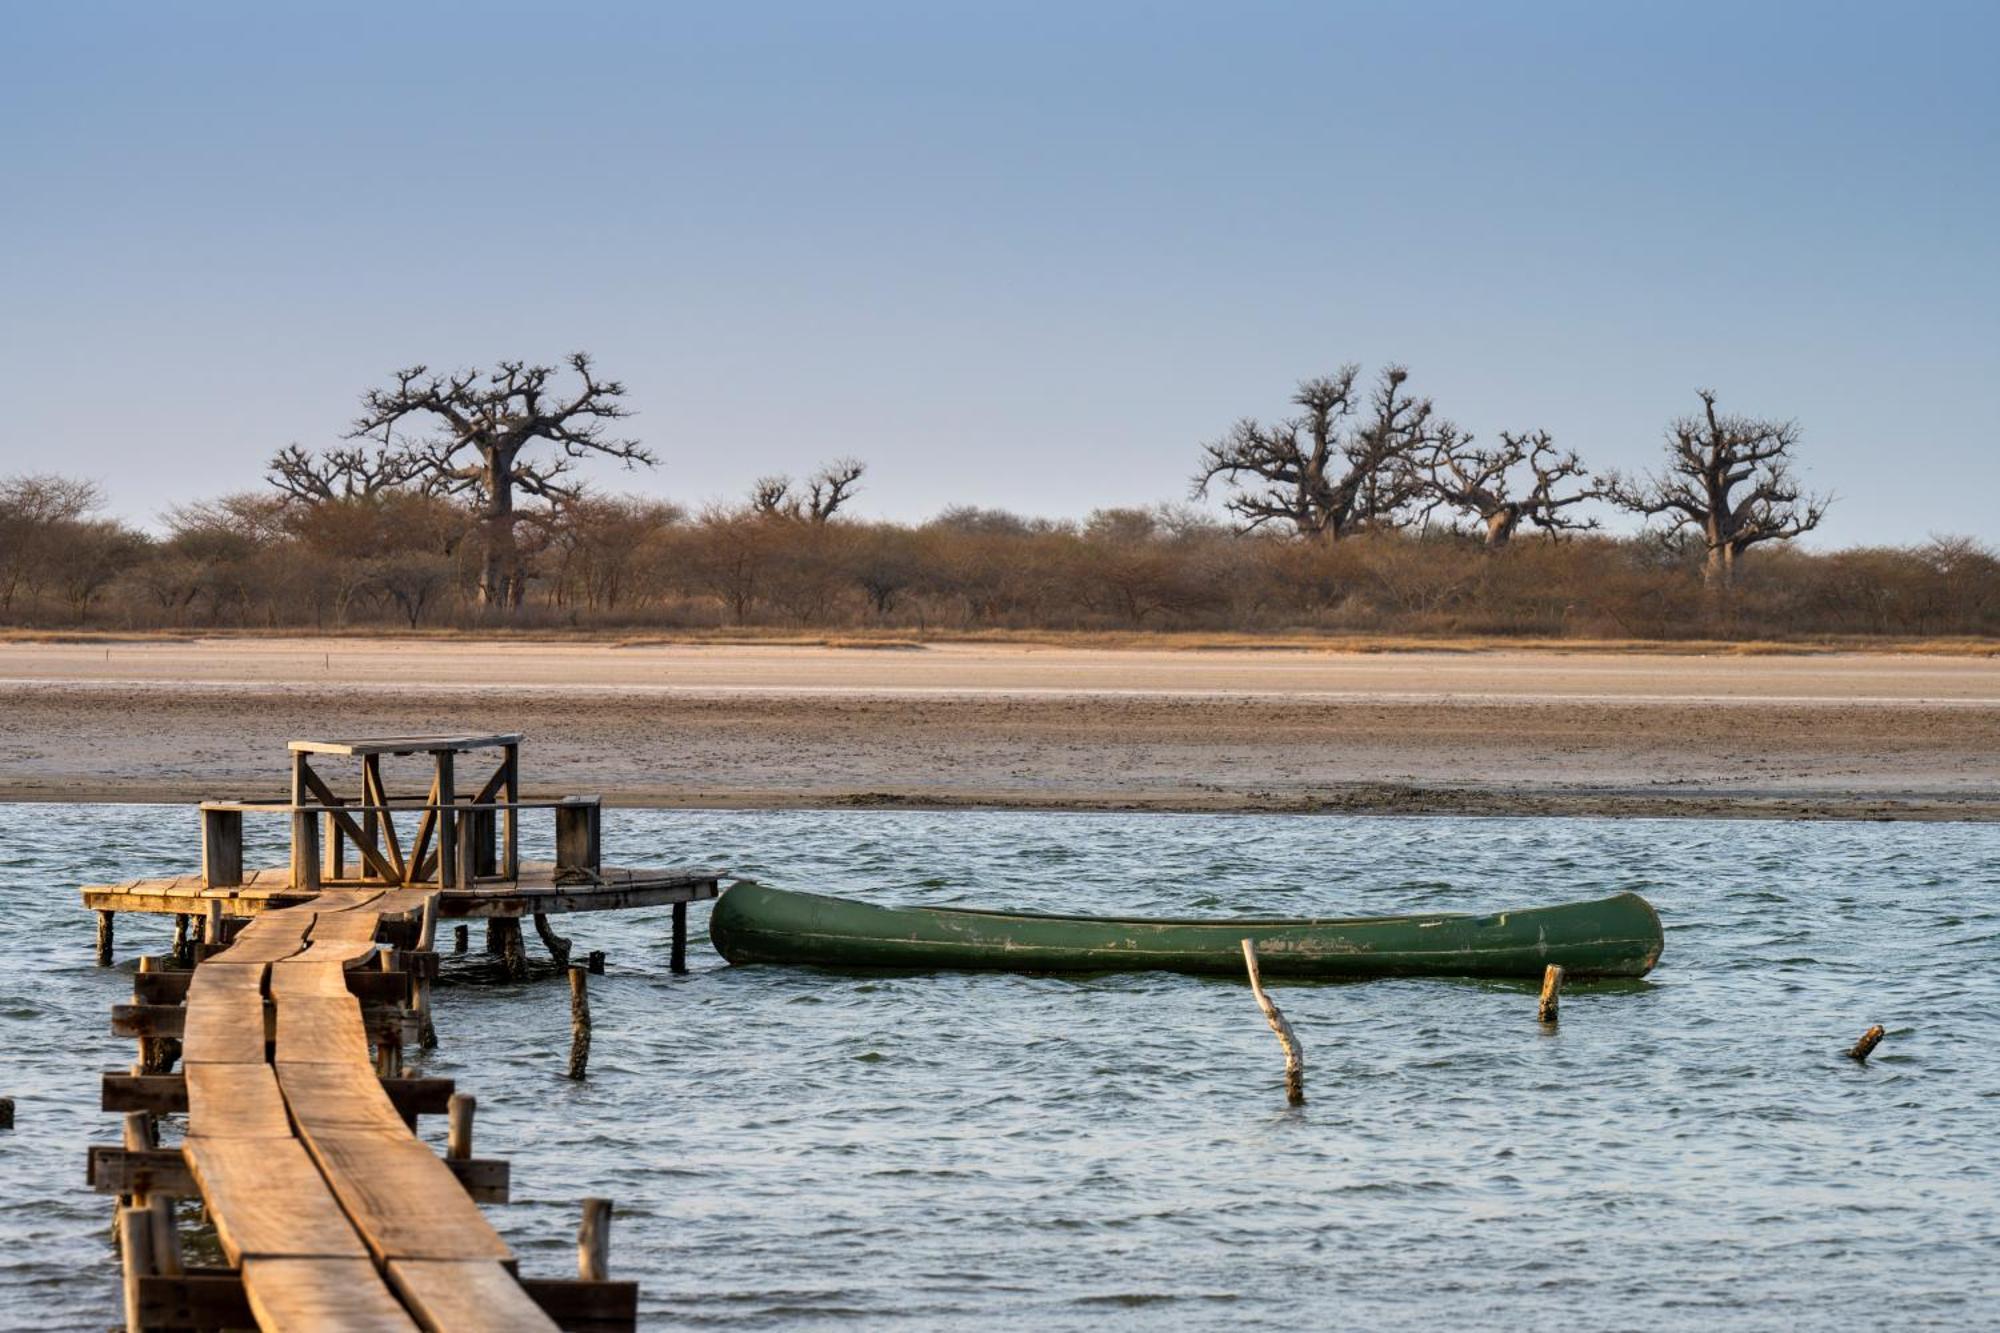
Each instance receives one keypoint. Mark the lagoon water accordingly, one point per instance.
(797, 1149)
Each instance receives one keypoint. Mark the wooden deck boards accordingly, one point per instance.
(461, 1296)
(317, 1294)
(235, 1101)
(225, 1015)
(535, 890)
(404, 1200)
(268, 1199)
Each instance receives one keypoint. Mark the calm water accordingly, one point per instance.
(800, 1149)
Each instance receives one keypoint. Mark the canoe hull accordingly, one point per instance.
(1610, 937)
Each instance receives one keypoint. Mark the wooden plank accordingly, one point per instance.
(299, 978)
(268, 1200)
(167, 1094)
(118, 1170)
(477, 1296)
(314, 1294)
(155, 1094)
(225, 1015)
(235, 1101)
(199, 1298)
(339, 1096)
(484, 1179)
(586, 1307)
(394, 745)
(347, 824)
(321, 1029)
(404, 1201)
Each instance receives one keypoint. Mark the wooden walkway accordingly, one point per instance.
(330, 1212)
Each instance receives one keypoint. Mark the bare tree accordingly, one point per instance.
(1488, 483)
(1330, 469)
(482, 429)
(1729, 479)
(825, 492)
(34, 510)
(341, 474)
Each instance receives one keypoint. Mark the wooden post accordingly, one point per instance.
(1870, 1039)
(305, 829)
(212, 926)
(166, 1238)
(427, 925)
(467, 849)
(557, 946)
(1552, 985)
(579, 1026)
(593, 1241)
(595, 963)
(104, 940)
(458, 1140)
(510, 821)
(222, 848)
(677, 957)
(135, 1239)
(460, 938)
(333, 843)
(6, 1112)
(1295, 1056)
(183, 946)
(447, 825)
(389, 1036)
(579, 834)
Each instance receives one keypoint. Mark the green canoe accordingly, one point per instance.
(1611, 937)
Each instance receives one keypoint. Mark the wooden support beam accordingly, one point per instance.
(447, 826)
(484, 1178)
(510, 827)
(221, 848)
(166, 1094)
(579, 836)
(105, 926)
(114, 1169)
(199, 1298)
(340, 821)
(677, 956)
(586, 1307)
(305, 829)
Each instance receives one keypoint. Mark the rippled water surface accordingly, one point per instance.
(793, 1148)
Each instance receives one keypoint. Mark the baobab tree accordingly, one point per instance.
(482, 431)
(1523, 480)
(824, 494)
(341, 474)
(1339, 465)
(1729, 479)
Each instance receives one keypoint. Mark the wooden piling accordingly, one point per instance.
(183, 946)
(595, 962)
(104, 935)
(166, 1236)
(135, 1241)
(579, 1024)
(1552, 984)
(212, 924)
(513, 954)
(593, 1241)
(1295, 1056)
(557, 946)
(677, 959)
(6, 1112)
(461, 938)
(1862, 1049)
(458, 1138)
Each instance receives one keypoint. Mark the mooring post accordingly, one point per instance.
(1295, 1056)
(579, 1023)
(1866, 1046)
(593, 1241)
(595, 962)
(1552, 985)
(461, 937)
(458, 1138)
(6, 1112)
(104, 929)
(677, 957)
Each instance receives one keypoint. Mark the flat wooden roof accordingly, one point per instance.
(364, 745)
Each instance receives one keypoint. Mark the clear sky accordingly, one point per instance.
(1024, 255)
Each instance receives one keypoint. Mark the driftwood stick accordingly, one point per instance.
(579, 1026)
(1295, 1056)
(593, 1241)
(557, 946)
(458, 1138)
(1552, 985)
(1865, 1047)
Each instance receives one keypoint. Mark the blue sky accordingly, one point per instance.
(1016, 255)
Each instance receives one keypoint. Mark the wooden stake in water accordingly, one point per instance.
(458, 1139)
(1865, 1047)
(593, 1241)
(1552, 985)
(579, 1024)
(1295, 1056)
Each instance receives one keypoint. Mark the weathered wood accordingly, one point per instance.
(6, 1113)
(339, 822)
(458, 1137)
(510, 828)
(593, 1241)
(135, 1244)
(383, 820)
(447, 826)
(138, 1171)
(268, 1200)
(203, 1298)
(1295, 1056)
(106, 924)
(183, 948)
(586, 1307)
(513, 953)
(579, 834)
(221, 848)
(595, 962)
(1547, 1010)
(305, 828)
(484, 1179)
(677, 958)
(557, 946)
(225, 1015)
(1865, 1047)
(579, 1022)
(344, 1096)
(408, 745)
(458, 1294)
(460, 938)
(166, 1237)
(211, 925)
(237, 1101)
(321, 1029)
(405, 1202)
(345, 1294)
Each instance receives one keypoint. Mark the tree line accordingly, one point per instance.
(453, 502)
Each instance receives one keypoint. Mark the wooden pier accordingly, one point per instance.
(289, 1028)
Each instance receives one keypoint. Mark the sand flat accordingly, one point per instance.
(1851, 734)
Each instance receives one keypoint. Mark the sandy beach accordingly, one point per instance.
(1825, 735)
